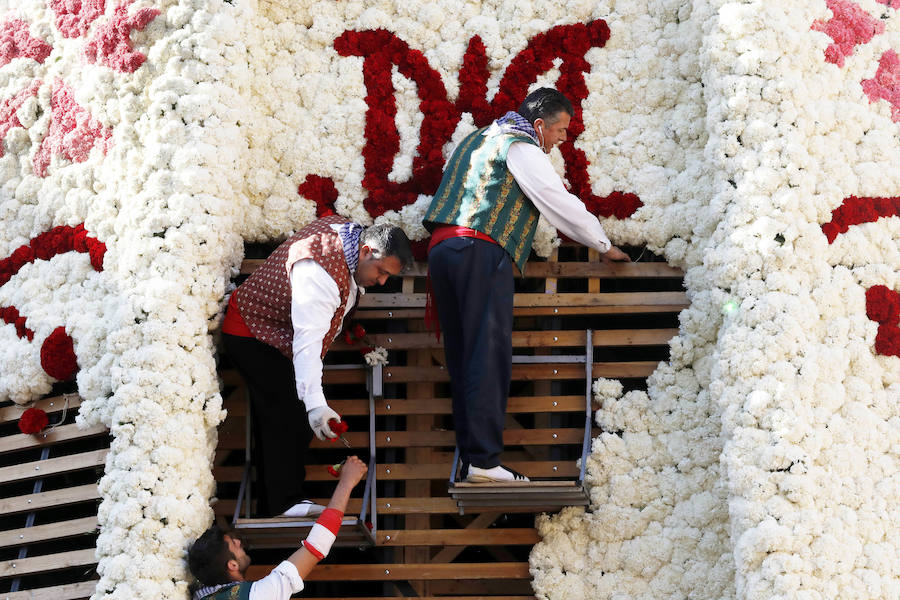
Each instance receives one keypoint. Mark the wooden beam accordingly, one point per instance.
(530, 339)
(530, 372)
(47, 562)
(54, 499)
(50, 405)
(49, 531)
(63, 433)
(54, 466)
(458, 537)
(71, 591)
(442, 406)
(400, 572)
(611, 299)
(540, 269)
(423, 439)
(449, 552)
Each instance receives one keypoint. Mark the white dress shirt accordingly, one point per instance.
(314, 300)
(280, 584)
(540, 182)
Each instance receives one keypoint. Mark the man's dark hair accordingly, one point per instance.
(208, 555)
(545, 103)
(387, 240)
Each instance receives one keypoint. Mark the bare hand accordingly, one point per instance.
(353, 471)
(614, 254)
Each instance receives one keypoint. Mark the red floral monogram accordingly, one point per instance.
(57, 351)
(382, 50)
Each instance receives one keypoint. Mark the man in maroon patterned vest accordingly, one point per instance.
(278, 326)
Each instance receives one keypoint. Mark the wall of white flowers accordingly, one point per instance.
(754, 144)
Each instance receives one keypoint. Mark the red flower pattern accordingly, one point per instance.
(886, 83)
(57, 351)
(851, 26)
(854, 211)
(16, 41)
(111, 44)
(883, 307)
(382, 50)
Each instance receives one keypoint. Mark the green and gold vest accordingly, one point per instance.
(238, 591)
(478, 191)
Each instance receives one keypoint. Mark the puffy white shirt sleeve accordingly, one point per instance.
(280, 584)
(314, 300)
(539, 181)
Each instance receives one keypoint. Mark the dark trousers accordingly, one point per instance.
(472, 282)
(281, 432)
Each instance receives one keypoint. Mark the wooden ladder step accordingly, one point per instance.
(499, 496)
(281, 532)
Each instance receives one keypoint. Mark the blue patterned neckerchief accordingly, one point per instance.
(513, 122)
(349, 233)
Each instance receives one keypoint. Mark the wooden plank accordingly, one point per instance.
(50, 405)
(540, 269)
(54, 499)
(442, 406)
(399, 314)
(71, 591)
(418, 471)
(462, 537)
(530, 372)
(400, 301)
(531, 339)
(449, 553)
(50, 531)
(54, 466)
(400, 572)
(47, 562)
(424, 439)
(63, 433)
(398, 506)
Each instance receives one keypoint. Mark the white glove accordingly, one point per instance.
(318, 421)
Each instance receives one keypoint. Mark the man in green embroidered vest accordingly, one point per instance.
(482, 219)
(218, 560)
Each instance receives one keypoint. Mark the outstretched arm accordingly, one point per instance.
(304, 559)
(535, 175)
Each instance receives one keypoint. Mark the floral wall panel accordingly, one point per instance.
(752, 144)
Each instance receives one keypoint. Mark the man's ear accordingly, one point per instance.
(232, 566)
(364, 252)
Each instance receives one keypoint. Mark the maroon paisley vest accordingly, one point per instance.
(264, 300)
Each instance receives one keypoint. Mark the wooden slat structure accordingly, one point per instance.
(48, 503)
(423, 546)
(420, 544)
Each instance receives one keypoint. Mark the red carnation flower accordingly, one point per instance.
(338, 427)
(335, 469)
(33, 421)
(58, 355)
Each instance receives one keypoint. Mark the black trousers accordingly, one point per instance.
(472, 281)
(281, 432)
